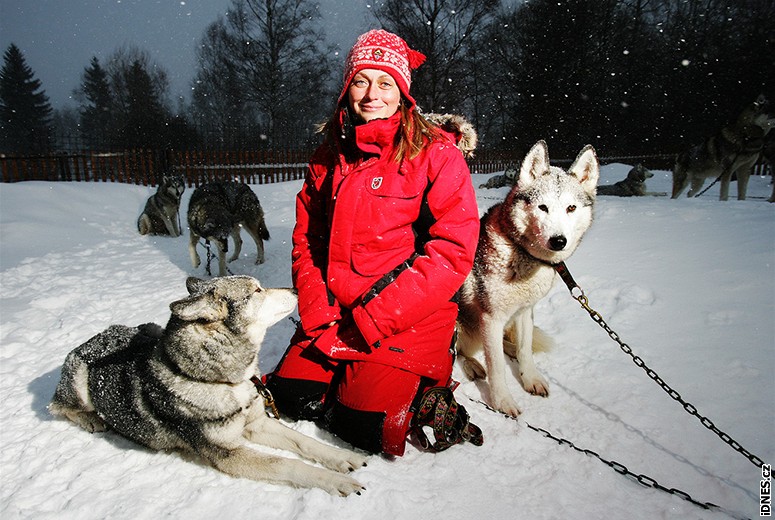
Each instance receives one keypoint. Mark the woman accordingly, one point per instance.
(386, 231)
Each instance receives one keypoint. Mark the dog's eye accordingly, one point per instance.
(543, 208)
(571, 209)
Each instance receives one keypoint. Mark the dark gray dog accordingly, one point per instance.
(188, 387)
(161, 215)
(634, 185)
(216, 211)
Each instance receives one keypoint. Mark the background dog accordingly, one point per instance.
(217, 210)
(188, 387)
(161, 215)
(634, 185)
(539, 224)
(733, 151)
(508, 178)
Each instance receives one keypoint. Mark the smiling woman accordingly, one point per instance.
(374, 95)
(385, 234)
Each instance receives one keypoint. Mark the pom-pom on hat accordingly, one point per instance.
(382, 50)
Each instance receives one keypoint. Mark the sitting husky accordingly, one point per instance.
(634, 185)
(538, 225)
(161, 215)
(217, 210)
(189, 387)
(731, 152)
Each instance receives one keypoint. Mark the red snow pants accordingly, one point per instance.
(366, 404)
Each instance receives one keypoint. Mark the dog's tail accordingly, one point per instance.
(542, 342)
(263, 232)
(144, 224)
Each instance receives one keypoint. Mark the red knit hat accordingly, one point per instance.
(381, 50)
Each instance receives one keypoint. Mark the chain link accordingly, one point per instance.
(618, 467)
(690, 408)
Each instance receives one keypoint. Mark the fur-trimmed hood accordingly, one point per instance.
(458, 126)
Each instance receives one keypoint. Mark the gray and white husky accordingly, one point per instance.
(634, 185)
(192, 386)
(731, 152)
(538, 225)
(216, 211)
(161, 215)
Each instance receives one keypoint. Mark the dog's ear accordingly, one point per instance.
(586, 168)
(195, 285)
(536, 163)
(200, 307)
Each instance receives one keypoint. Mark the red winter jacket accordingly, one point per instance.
(354, 225)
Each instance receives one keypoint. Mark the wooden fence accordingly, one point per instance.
(146, 167)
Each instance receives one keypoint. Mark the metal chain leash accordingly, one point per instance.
(562, 270)
(620, 468)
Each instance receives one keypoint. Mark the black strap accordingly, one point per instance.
(449, 420)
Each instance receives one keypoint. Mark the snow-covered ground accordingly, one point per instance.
(689, 284)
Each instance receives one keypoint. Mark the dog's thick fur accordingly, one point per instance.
(634, 185)
(507, 178)
(539, 224)
(731, 152)
(188, 387)
(216, 211)
(161, 215)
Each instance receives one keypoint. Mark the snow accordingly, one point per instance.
(689, 284)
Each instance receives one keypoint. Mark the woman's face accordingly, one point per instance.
(374, 94)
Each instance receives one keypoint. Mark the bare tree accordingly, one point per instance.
(443, 30)
(271, 56)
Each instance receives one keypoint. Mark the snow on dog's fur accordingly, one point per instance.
(538, 225)
(189, 387)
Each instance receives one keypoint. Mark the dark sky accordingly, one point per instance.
(59, 37)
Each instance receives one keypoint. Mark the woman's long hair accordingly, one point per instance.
(414, 134)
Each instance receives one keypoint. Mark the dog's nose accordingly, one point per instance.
(558, 242)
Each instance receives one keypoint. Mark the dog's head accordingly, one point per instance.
(511, 174)
(172, 185)
(216, 332)
(552, 209)
(639, 173)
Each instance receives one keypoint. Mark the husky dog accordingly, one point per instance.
(508, 178)
(733, 151)
(538, 225)
(634, 185)
(188, 387)
(161, 215)
(217, 210)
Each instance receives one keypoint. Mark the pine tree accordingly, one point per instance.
(25, 112)
(96, 109)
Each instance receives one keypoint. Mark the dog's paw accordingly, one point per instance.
(89, 421)
(343, 485)
(346, 462)
(473, 369)
(535, 384)
(506, 404)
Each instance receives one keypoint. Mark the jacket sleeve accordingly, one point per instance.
(437, 274)
(309, 256)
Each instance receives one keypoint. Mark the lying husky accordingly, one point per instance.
(188, 387)
(161, 215)
(508, 178)
(217, 210)
(733, 151)
(634, 185)
(539, 224)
